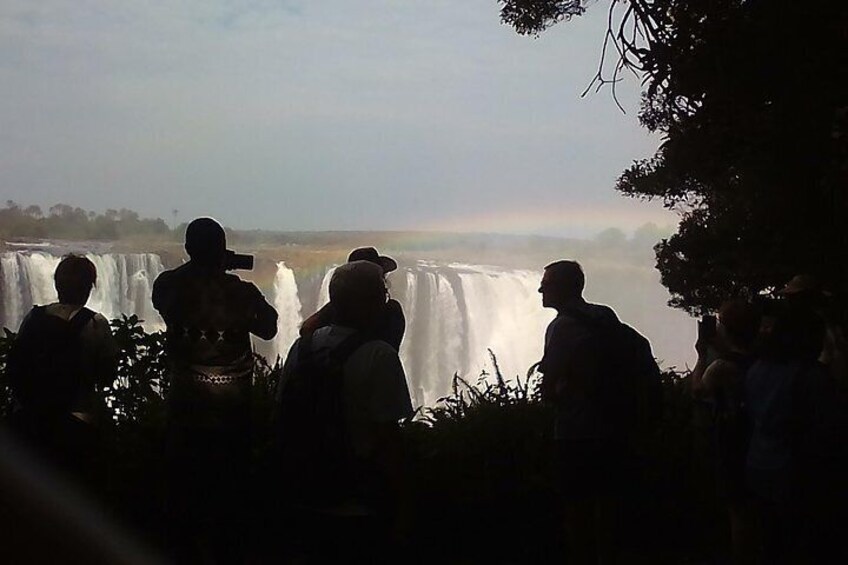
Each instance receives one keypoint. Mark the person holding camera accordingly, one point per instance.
(210, 315)
(725, 354)
(389, 326)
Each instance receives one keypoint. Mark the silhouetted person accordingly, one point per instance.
(805, 292)
(389, 326)
(210, 316)
(346, 390)
(589, 449)
(62, 353)
(785, 394)
(722, 384)
(796, 461)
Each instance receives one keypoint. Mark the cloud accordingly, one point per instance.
(264, 112)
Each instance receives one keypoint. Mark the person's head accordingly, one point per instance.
(387, 264)
(74, 278)
(738, 324)
(804, 291)
(357, 293)
(797, 335)
(206, 242)
(562, 281)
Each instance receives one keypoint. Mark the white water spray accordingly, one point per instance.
(124, 284)
(287, 304)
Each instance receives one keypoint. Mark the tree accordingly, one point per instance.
(68, 222)
(750, 98)
(34, 211)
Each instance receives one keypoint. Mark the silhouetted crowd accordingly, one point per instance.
(771, 376)
(770, 384)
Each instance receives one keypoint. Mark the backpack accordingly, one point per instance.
(628, 391)
(44, 364)
(313, 446)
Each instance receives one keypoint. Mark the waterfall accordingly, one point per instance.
(506, 316)
(454, 314)
(12, 301)
(324, 292)
(124, 285)
(287, 304)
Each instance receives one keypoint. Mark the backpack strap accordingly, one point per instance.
(592, 322)
(339, 354)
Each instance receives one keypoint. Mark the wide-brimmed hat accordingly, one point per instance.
(803, 283)
(370, 254)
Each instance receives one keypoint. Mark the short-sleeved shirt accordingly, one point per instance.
(570, 365)
(375, 390)
(98, 355)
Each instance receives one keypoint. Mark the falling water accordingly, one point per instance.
(287, 304)
(124, 284)
(455, 313)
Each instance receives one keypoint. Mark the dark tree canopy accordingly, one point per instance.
(751, 98)
(535, 16)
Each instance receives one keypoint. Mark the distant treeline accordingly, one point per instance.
(63, 221)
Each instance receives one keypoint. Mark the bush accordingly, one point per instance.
(479, 460)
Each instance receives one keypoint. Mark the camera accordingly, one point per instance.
(707, 328)
(238, 261)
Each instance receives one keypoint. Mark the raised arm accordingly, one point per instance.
(264, 321)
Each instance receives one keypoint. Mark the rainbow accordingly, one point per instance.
(582, 220)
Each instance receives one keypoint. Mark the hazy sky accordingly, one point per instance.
(299, 115)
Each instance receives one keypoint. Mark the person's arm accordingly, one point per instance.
(319, 319)
(163, 295)
(394, 324)
(719, 374)
(696, 385)
(264, 321)
(569, 361)
(389, 403)
(289, 367)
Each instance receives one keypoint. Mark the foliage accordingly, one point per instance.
(752, 108)
(141, 382)
(6, 402)
(67, 222)
(534, 16)
(493, 432)
(480, 467)
(480, 462)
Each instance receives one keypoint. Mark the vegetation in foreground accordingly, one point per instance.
(478, 460)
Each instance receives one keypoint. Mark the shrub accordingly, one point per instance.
(479, 460)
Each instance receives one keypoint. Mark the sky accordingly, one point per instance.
(316, 115)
